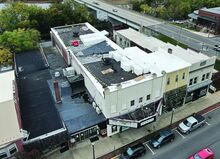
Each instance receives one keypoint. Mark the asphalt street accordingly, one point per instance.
(194, 41)
(185, 145)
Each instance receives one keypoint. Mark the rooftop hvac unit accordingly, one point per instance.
(68, 72)
(126, 66)
(98, 111)
(94, 105)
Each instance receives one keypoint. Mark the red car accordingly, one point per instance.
(205, 153)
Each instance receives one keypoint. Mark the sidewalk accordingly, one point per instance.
(106, 145)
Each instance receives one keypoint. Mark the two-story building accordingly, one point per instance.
(11, 133)
(200, 70)
(127, 86)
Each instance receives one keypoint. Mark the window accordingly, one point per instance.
(190, 81)
(140, 99)
(203, 77)
(203, 63)
(13, 150)
(183, 77)
(168, 80)
(127, 44)
(148, 97)
(207, 75)
(195, 80)
(176, 78)
(132, 103)
(114, 128)
(3, 155)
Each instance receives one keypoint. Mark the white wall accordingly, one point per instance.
(92, 85)
(197, 71)
(124, 41)
(119, 102)
(197, 66)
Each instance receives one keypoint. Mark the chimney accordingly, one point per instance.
(57, 91)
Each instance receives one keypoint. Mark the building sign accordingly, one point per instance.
(132, 124)
(125, 123)
(148, 121)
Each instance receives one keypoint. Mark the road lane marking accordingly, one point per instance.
(150, 149)
(207, 123)
(180, 134)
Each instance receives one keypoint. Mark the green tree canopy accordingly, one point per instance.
(20, 40)
(17, 15)
(175, 9)
(5, 57)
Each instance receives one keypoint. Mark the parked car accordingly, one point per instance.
(205, 153)
(96, 3)
(162, 138)
(114, 10)
(217, 48)
(191, 123)
(134, 151)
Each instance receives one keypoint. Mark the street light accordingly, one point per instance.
(93, 149)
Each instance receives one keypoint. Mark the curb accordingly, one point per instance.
(118, 151)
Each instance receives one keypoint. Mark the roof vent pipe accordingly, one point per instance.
(170, 51)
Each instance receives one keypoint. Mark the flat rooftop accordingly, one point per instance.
(38, 112)
(155, 62)
(147, 42)
(72, 32)
(109, 73)
(10, 130)
(6, 85)
(215, 10)
(188, 55)
(93, 44)
(76, 113)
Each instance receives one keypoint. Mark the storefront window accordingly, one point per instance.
(3, 155)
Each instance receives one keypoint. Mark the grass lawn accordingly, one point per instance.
(217, 65)
(166, 39)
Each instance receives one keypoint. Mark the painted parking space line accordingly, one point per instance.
(153, 153)
(207, 123)
(180, 134)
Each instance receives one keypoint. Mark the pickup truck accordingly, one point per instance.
(191, 123)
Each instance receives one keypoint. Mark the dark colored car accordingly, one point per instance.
(134, 151)
(217, 48)
(162, 138)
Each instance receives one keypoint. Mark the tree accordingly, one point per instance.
(146, 9)
(20, 40)
(16, 15)
(5, 57)
(19, 15)
(161, 12)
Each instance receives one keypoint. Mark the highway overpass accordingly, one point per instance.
(141, 22)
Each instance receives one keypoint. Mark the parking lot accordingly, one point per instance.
(185, 145)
